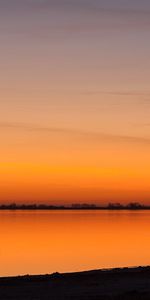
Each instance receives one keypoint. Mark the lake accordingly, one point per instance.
(40, 242)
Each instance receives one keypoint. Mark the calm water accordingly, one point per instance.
(50, 241)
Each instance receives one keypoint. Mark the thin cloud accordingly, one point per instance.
(63, 17)
(89, 134)
(29, 127)
(83, 6)
(94, 5)
(116, 93)
(96, 8)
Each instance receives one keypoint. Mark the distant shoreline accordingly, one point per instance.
(110, 206)
(114, 284)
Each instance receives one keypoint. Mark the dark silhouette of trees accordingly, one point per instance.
(110, 206)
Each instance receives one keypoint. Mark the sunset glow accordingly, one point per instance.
(74, 101)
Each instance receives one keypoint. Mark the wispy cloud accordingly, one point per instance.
(130, 8)
(99, 136)
(62, 17)
(30, 127)
(115, 93)
(94, 5)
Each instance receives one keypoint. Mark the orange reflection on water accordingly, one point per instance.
(49, 241)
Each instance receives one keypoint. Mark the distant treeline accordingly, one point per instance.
(110, 206)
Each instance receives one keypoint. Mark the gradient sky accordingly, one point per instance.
(74, 101)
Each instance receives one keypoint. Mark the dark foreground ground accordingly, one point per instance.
(116, 284)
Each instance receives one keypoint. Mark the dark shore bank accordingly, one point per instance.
(115, 284)
(35, 207)
(83, 206)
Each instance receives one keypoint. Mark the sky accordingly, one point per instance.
(74, 101)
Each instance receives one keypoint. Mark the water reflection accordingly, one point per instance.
(48, 241)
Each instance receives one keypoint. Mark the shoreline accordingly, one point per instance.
(128, 269)
(132, 206)
(75, 209)
(119, 283)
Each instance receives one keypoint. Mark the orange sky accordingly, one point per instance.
(74, 101)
